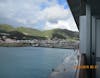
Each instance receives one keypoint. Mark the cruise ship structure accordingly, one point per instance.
(86, 14)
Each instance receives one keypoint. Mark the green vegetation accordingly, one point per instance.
(60, 33)
(6, 27)
(29, 33)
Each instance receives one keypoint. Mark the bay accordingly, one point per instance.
(30, 62)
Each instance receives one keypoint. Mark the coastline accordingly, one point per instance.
(30, 45)
(63, 44)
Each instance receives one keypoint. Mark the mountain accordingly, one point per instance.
(30, 33)
(60, 33)
(6, 28)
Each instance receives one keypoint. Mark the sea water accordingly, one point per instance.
(30, 62)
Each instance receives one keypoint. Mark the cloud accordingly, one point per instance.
(23, 21)
(63, 24)
(54, 12)
(47, 14)
(63, 17)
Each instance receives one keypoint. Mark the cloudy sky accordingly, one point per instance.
(39, 14)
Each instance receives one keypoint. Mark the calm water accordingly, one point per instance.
(30, 62)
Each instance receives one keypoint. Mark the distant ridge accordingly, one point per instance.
(46, 34)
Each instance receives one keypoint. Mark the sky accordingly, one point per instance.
(38, 14)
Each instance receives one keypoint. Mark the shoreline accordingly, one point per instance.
(28, 45)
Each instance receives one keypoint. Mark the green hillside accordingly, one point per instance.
(29, 31)
(7, 28)
(34, 33)
(60, 33)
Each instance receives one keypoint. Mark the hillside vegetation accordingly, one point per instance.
(30, 33)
